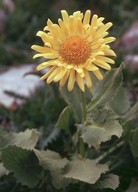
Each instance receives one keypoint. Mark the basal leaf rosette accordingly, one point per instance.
(74, 48)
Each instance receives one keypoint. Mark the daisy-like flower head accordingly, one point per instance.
(74, 48)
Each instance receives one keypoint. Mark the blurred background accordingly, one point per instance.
(24, 100)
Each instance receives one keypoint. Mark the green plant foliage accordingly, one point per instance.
(101, 115)
(134, 142)
(65, 120)
(74, 99)
(132, 113)
(133, 186)
(27, 115)
(95, 134)
(52, 161)
(23, 163)
(109, 181)
(3, 170)
(107, 88)
(121, 103)
(95, 125)
(26, 139)
(85, 170)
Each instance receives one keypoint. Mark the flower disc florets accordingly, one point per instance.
(75, 50)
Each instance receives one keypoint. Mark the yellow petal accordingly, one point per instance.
(88, 62)
(46, 28)
(90, 66)
(87, 16)
(79, 70)
(49, 22)
(109, 39)
(80, 82)
(65, 16)
(79, 26)
(88, 79)
(102, 64)
(100, 19)
(97, 53)
(52, 30)
(71, 80)
(100, 35)
(72, 25)
(109, 52)
(106, 59)
(78, 15)
(52, 75)
(94, 21)
(45, 37)
(41, 49)
(105, 27)
(46, 55)
(64, 79)
(60, 75)
(43, 65)
(98, 75)
(63, 27)
(48, 73)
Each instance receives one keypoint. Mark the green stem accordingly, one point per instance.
(84, 112)
(81, 147)
(83, 107)
(112, 149)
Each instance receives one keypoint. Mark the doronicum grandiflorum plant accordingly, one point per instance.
(76, 53)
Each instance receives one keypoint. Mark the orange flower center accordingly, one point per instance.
(75, 50)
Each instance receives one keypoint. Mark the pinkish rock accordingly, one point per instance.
(9, 5)
(131, 62)
(129, 40)
(3, 19)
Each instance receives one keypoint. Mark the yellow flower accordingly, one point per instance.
(74, 48)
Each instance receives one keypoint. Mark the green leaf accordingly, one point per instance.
(101, 115)
(132, 113)
(55, 164)
(26, 139)
(107, 88)
(65, 119)
(108, 181)
(94, 134)
(134, 142)
(121, 103)
(23, 163)
(74, 100)
(3, 170)
(50, 138)
(133, 186)
(85, 170)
